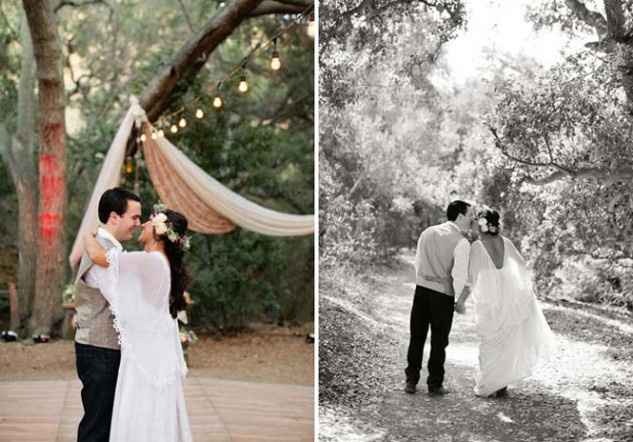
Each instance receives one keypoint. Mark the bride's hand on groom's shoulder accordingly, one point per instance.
(89, 239)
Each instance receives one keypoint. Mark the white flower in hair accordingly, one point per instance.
(160, 218)
(159, 221)
(483, 222)
(163, 227)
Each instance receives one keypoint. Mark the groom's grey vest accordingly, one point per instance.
(435, 257)
(94, 318)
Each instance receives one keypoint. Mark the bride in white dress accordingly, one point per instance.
(513, 331)
(145, 290)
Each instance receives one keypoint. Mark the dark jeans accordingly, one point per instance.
(434, 309)
(97, 369)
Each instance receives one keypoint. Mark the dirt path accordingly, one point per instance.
(583, 393)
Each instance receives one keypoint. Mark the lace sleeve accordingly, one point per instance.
(107, 278)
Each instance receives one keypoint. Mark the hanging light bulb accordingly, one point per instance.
(243, 87)
(161, 133)
(275, 62)
(199, 113)
(129, 167)
(143, 138)
(154, 135)
(182, 122)
(174, 129)
(311, 30)
(217, 102)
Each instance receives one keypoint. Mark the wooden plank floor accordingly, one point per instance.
(219, 410)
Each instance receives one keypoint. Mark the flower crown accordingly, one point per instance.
(483, 222)
(164, 227)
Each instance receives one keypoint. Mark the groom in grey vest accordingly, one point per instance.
(97, 347)
(441, 272)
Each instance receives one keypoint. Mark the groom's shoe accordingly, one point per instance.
(503, 392)
(410, 388)
(438, 391)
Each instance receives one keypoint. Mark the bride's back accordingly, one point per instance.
(494, 245)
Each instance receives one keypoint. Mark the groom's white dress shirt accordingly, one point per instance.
(93, 273)
(442, 251)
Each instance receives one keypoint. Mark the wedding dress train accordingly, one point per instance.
(513, 331)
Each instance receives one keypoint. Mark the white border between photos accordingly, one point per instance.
(316, 222)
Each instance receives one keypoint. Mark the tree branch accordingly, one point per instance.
(279, 7)
(615, 19)
(193, 55)
(79, 5)
(186, 14)
(592, 18)
(620, 173)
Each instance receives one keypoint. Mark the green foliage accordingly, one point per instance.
(570, 120)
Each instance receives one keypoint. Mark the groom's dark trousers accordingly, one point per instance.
(97, 369)
(435, 310)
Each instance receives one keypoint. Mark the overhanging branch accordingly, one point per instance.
(612, 175)
(280, 7)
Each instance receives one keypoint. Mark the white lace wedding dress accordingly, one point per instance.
(513, 331)
(149, 403)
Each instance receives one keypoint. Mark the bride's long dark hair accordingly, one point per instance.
(175, 254)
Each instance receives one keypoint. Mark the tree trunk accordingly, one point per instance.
(24, 175)
(13, 307)
(52, 163)
(27, 243)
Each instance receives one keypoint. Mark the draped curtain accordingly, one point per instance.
(210, 207)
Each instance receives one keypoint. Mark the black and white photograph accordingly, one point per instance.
(475, 234)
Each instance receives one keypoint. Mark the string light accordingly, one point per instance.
(129, 167)
(239, 69)
(143, 138)
(275, 62)
(243, 87)
(311, 30)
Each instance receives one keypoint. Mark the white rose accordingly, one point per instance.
(161, 228)
(160, 218)
(483, 222)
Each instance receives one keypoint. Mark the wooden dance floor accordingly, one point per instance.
(219, 410)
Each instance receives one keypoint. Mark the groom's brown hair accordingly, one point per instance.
(115, 200)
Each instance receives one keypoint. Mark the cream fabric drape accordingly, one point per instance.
(209, 206)
(109, 177)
